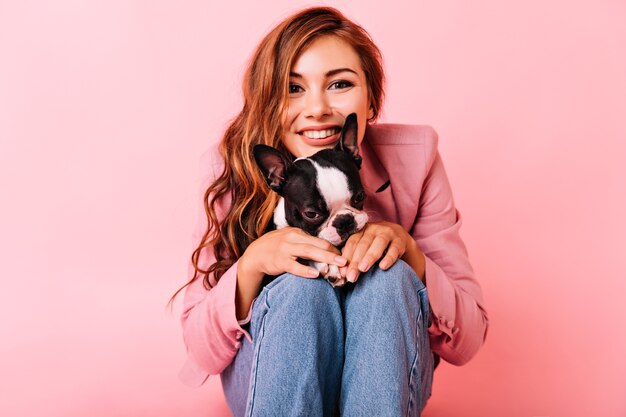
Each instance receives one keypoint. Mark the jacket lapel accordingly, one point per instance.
(374, 176)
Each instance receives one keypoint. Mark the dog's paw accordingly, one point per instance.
(333, 276)
(330, 273)
(320, 266)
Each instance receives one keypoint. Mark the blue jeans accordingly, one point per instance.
(358, 350)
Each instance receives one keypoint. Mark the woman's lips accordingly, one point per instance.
(320, 142)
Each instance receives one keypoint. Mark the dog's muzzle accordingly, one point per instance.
(342, 225)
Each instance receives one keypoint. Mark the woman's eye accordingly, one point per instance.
(311, 215)
(338, 85)
(294, 88)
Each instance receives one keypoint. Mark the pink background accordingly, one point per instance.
(106, 107)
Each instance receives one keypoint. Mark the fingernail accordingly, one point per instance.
(313, 272)
(363, 266)
(340, 260)
(352, 275)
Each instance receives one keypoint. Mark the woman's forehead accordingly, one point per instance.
(325, 56)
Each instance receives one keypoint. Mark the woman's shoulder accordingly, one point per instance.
(402, 134)
(393, 142)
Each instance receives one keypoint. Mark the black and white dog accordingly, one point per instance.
(321, 194)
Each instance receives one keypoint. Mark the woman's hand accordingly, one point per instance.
(364, 248)
(276, 252)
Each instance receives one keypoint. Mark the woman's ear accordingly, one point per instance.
(370, 113)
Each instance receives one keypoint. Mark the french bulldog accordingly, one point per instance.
(321, 194)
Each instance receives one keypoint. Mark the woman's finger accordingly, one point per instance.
(360, 249)
(308, 251)
(394, 251)
(300, 236)
(348, 249)
(300, 270)
(374, 252)
(343, 271)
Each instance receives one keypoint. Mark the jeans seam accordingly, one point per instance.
(255, 359)
(415, 364)
(427, 378)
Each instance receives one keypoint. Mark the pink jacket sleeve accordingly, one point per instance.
(460, 321)
(211, 331)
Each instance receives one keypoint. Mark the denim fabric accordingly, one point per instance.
(359, 350)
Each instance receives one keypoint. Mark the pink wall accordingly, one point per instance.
(106, 107)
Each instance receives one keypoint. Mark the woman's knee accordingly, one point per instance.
(289, 288)
(397, 279)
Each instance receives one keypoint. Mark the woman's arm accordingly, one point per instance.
(248, 287)
(211, 330)
(460, 321)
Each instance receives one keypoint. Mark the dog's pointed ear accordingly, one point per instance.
(348, 141)
(273, 165)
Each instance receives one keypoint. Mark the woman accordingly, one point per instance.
(311, 349)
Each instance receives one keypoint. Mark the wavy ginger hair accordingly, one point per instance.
(265, 93)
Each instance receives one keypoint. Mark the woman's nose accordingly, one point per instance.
(317, 105)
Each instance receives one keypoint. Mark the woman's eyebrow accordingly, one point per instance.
(328, 74)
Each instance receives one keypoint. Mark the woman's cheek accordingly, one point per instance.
(344, 102)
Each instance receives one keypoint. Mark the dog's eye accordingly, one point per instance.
(358, 197)
(311, 215)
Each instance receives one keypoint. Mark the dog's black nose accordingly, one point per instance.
(344, 223)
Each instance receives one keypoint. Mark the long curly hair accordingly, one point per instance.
(265, 93)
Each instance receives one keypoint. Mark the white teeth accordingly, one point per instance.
(320, 134)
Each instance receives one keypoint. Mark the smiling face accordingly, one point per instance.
(326, 84)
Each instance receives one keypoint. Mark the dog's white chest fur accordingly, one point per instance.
(279, 214)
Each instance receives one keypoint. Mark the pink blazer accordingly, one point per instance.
(418, 197)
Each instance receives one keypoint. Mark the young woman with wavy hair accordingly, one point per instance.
(367, 348)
